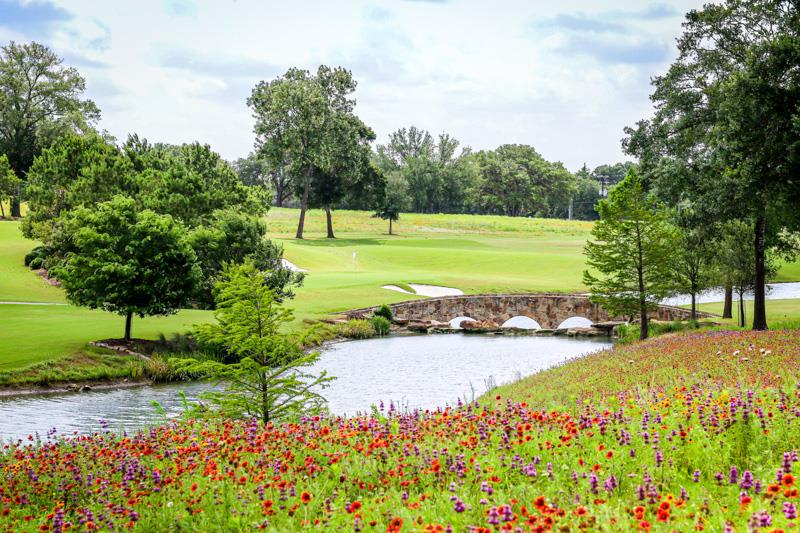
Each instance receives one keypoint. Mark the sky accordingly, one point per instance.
(565, 77)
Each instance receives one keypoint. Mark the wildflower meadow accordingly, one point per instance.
(708, 449)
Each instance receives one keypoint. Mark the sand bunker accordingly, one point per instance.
(426, 290)
(291, 266)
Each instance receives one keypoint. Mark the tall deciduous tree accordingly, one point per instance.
(695, 262)
(256, 171)
(298, 117)
(738, 262)
(440, 176)
(725, 129)
(40, 99)
(630, 256)
(515, 180)
(120, 259)
(347, 167)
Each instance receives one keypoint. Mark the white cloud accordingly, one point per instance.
(565, 78)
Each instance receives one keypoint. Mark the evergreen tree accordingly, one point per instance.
(271, 380)
(630, 256)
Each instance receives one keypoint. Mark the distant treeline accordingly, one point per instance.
(436, 174)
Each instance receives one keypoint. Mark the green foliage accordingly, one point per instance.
(77, 170)
(190, 182)
(36, 263)
(736, 260)
(628, 333)
(256, 171)
(270, 382)
(696, 258)
(305, 123)
(607, 176)
(395, 200)
(385, 311)
(40, 101)
(231, 237)
(707, 145)
(435, 178)
(9, 182)
(381, 324)
(516, 181)
(126, 261)
(40, 252)
(587, 194)
(631, 252)
(356, 329)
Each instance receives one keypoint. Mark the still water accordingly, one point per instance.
(423, 371)
(775, 291)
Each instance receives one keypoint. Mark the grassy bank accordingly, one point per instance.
(683, 432)
(31, 334)
(777, 310)
(477, 254)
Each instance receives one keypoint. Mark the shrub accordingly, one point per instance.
(356, 329)
(36, 263)
(39, 252)
(384, 311)
(381, 325)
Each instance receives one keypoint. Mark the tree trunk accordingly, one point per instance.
(727, 309)
(390, 226)
(128, 319)
(741, 310)
(303, 207)
(759, 292)
(2, 210)
(329, 221)
(694, 307)
(15, 206)
(643, 322)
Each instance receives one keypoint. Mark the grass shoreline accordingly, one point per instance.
(478, 254)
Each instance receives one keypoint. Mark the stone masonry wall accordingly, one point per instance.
(549, 310)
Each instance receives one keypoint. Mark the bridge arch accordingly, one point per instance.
(521, 322)
(575, 322)
(456, 322)
(549, 310)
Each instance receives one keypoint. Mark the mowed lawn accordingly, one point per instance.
(477, 254)
(33, 333)
(777, 310)
(17, 283)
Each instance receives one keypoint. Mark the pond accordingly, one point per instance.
(775, 291)
(424, 371)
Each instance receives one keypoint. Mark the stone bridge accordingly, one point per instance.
(549, 310)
